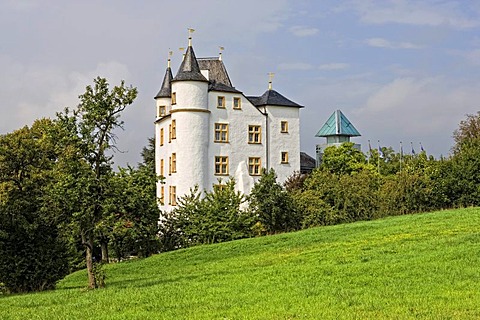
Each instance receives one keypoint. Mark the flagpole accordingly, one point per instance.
(369, 152)
(401, 155)
(378, 162)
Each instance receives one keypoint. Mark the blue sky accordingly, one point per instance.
(399, 70)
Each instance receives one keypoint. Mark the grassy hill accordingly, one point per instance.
(419, 266)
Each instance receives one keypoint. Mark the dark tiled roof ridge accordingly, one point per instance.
(189, 69)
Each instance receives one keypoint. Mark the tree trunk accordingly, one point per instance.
(104, 246)
(88, 243)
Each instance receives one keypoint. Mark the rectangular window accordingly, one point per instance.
(161, 111)
(161, 137)
(221, 165)
(237, 103)
(284, 127)
(254, 134)
(174, 129)
(221, 132)
(162, 195)
(174, 162)
(169, 133)
(254, 166)
(284, 157)
(169, 165)
(172, 196)
(162, 167)
(220, 102)
(174, 98)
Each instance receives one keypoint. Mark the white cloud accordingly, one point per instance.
(333, 66)
(32, 91)
(303, 31)
(383, 43)
(412, 12)
(422, 106)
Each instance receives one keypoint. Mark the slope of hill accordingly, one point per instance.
(417, 266)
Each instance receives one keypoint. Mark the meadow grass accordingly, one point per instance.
(423, 266)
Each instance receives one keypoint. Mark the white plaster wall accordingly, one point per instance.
(190, 94)
(162, 152)
(237, 149)
(284, 142)
(191, 147)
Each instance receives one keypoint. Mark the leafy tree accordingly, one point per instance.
(132, 213)
(217, 217)
(148, 155)
(344, 159)
(85, 166)
(466, 162)
(273, 206)
(33, 251)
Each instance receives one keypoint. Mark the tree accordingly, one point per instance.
(273, 206)
(33, 250)
(132, 213)
(344, 159)
(217, 217)
(466, 162)
(85, 166)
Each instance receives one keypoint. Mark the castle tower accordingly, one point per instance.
(338, 129)
(207, 131)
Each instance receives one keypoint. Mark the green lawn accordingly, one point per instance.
(423, 266)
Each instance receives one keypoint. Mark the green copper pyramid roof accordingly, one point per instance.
(338, 125)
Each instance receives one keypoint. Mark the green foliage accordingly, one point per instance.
(131, 213)
(32, 248)
(84, 169)
(272, 206)
(216, 217)
(344, 159)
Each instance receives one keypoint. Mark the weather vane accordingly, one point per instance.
(190, 31)
(270, 80)
(220, 53)
(170, 54)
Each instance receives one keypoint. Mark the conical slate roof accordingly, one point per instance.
(272, 97)
(338, 125)
(189, 69)
(166, 88)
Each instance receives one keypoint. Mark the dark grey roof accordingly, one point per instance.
(272, 97)
(166, 88)
(216, 86)
(217, 75)
(307, 163)
(189, 69)
(216, 70)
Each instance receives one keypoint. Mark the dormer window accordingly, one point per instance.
(221, 102)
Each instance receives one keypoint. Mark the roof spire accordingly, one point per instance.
(270, 80)
(190, 31)
(220, 53)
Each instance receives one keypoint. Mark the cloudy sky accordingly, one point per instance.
(400, 70)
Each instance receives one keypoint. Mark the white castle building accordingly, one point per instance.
(206, 131)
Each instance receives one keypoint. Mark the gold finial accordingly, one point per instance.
(190, 31)
(182, 50)
(170, 54)
(270, 80)
(220, 53)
